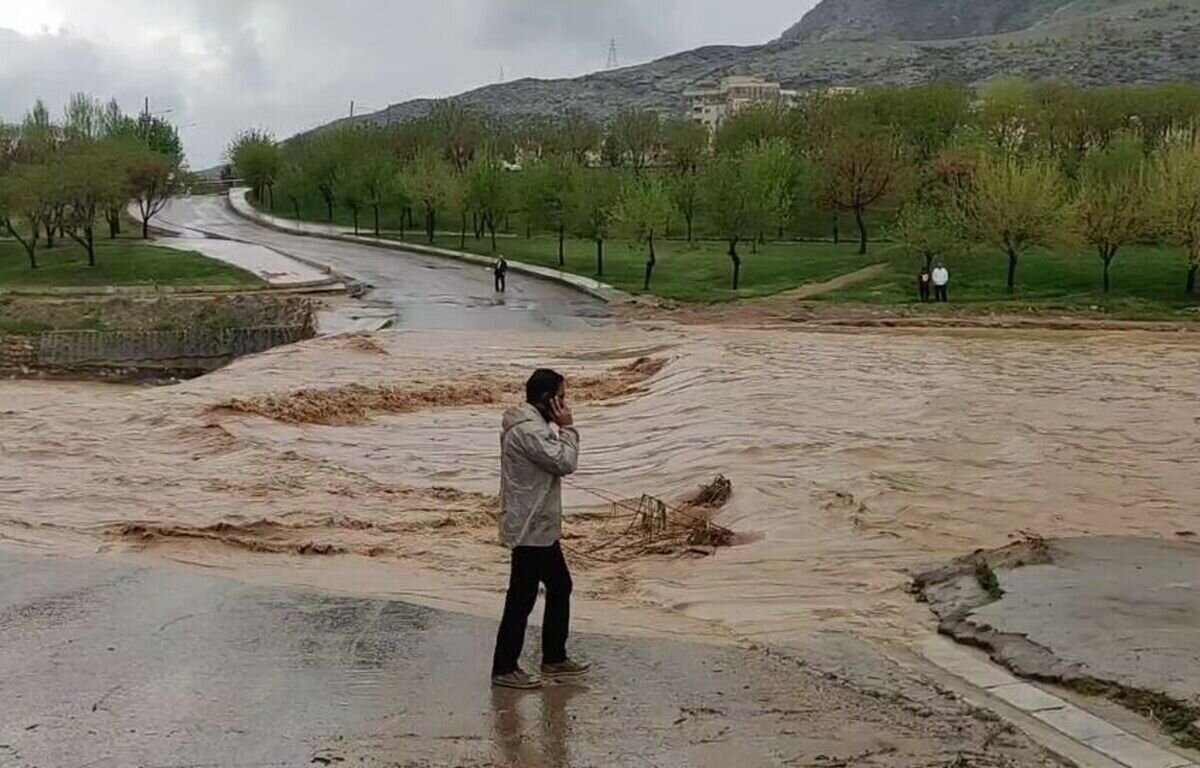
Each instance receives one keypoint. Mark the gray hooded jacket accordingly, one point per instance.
(533, 461)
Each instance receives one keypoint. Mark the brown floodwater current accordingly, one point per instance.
(856, 457)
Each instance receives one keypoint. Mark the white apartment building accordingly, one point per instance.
(712, 107)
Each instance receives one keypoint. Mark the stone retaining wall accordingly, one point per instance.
(135, 354)
(17, 353)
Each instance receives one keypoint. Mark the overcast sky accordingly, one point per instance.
(287, 65)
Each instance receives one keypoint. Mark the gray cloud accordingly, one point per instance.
(287, 65)
(583, 25)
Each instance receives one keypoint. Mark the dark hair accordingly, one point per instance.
(542, 385)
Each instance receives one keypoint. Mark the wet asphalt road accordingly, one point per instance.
(419, 292)
(104, 663)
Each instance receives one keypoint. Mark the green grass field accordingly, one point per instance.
(1147, 282)
(123, 262)
(696, 272)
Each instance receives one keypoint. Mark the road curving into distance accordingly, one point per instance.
(415, 291)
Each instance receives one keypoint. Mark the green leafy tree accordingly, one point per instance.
(577, 136)
(733, 205)
(256, 160)
(488, 191)
(1176, 199)
(751, 126)
(401, 196)
(1017, 204)
(291, 180)
(548, 194)
(1006, 113)
(643, 210)
(352, 192)
(858, 168)
(91, 181)
(635, 138)
(929, 233)
(774, 172)
(593, 202)
(26, 192)
(427, 180)
(84, 120)
(325, 166)
(461, 132)
(685, 147)
(153, 179)
(1113, 206)
(924, 118)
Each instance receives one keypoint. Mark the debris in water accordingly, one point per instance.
(363, 342)
(714, 495)
(652, 527)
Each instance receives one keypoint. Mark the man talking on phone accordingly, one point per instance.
(538, 447)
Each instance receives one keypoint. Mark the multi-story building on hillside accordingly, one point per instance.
(713, 107)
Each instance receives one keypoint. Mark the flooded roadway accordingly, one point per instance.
(185, 582)
(410, 290)
(855, 457)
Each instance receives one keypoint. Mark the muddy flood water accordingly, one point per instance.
(855, 458)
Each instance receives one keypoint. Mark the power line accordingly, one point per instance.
(613, 60)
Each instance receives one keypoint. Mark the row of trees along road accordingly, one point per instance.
(58, 178)
(1007, 169)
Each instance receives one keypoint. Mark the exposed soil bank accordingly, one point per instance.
(1109, 616)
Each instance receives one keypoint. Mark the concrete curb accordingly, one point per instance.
(1111, 744)
(238, 202)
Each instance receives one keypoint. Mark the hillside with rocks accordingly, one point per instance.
(889, 42)
(932, 19)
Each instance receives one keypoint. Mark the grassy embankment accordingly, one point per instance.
(121, 262)
(1147, 281)
(125, 262)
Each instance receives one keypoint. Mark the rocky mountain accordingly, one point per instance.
(931, 19)
(898, 42)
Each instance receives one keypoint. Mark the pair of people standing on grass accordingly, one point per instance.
(937, 279)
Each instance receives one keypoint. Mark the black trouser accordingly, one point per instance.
(501, 283)
(531, 566)
(942, 292)
(923, 289)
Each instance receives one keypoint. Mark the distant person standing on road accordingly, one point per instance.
(539, 446)
(500, 272)
(941, 283)
(923, 283)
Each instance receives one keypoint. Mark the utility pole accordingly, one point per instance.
(613, 61)
(351, 109)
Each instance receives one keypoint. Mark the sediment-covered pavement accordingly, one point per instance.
(115, 664)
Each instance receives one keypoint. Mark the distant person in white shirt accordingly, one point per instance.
(941, 283)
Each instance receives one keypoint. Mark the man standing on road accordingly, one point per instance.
(500, 271)
(941, 283)
(534, 457)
